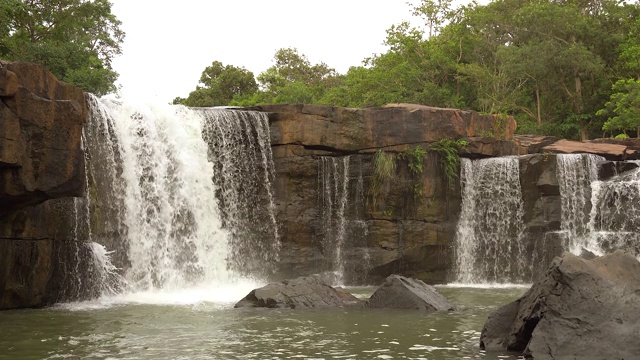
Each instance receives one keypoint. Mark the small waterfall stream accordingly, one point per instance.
(342, 228)
(490, 228)
(178, 197)
(333, 189)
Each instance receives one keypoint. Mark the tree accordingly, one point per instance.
(219, 85)
(623, 108)
(75, 39)
(293, 78)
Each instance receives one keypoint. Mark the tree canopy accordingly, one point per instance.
(552, 64)
(219, 85)
(75, 39)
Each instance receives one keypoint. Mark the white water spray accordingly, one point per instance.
(155, 208)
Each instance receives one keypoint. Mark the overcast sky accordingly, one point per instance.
(168, 44)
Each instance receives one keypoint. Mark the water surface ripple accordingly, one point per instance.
(217, 331)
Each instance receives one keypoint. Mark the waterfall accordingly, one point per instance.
(333, 191)
(614, 220)
(489, 234)
(178, 197)
(576, 173)
(598, 215)
(243, 172)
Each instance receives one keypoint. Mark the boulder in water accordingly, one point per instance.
(302, 292)
(398, 292)
(580, 309)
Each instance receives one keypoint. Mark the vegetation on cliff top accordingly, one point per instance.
(75, 39)
(550, 64)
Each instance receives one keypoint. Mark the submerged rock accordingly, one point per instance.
(398, 292)
(303, 292)
(580, 309)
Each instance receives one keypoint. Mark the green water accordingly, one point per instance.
(217, 331)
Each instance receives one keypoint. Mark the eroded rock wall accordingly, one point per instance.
(409, 225)
(41, 160)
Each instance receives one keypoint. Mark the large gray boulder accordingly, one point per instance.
(579, 309)
(398, 292)
(302, 292)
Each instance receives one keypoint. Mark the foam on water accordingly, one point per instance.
(223, 296)
(486, 285)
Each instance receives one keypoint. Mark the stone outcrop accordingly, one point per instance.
(399, 292)
(41, 128)
(348, 130)
(299, 293)
(41, 158)
(579, 309)
(608, 150)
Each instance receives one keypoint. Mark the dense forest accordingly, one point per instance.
(568, 68)
(75, 39)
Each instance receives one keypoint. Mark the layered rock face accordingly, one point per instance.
(579, 309)
(328, 197)
(41, 158)
(324, 161)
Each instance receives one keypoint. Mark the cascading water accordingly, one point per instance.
(243, 171)
(167, 207)
(598, 215)
(576, 173)
(490, 229)
(333, 190)
(615, 217)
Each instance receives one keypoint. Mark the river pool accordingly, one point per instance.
(214, 330)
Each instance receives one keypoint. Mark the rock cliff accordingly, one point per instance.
(324, 161)
(335, 214)
(41, 158)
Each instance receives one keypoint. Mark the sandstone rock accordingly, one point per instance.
(304, 292)
(580, 309)
(609, 151)
(349, 129)
(41, 164)
(489, 147)
(8, 82)
(531, 144)
(41, 124)
(398, 292)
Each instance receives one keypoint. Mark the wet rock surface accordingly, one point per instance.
(41, 167)
(579, 309)
(299, 293)
(399, 292)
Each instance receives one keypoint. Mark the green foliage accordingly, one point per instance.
(415, 158)
(622, 136)
(549, 64)
(219, 85)
(75, 39)
(384, 168)
(415, 161)
(623, 108)
(449, 158)
(293, 79)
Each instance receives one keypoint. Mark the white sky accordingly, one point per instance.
(168, 44)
